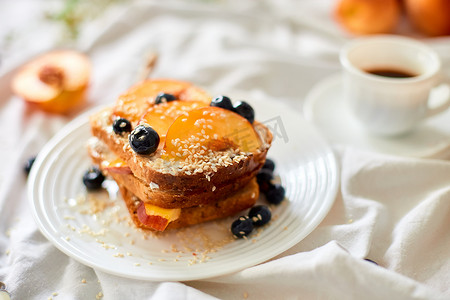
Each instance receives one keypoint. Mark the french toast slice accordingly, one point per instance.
(238, 201)
(219, 169)
(153, 194)
(200, 167)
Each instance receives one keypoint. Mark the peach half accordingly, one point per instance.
(55, 82)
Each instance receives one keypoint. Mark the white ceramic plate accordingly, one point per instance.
(106, 241)
(326, 107)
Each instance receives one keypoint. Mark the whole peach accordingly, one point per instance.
(368, 16)
(431, 17)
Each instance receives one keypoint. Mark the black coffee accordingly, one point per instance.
(392, 73)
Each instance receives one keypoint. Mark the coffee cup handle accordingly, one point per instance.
(442, 99)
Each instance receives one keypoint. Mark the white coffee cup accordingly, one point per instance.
(386, 105)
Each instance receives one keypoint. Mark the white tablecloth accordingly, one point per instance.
(393, 210)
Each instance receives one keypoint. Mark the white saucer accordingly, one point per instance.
(327, 109)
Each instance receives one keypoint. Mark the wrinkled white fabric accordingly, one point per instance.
(393, 210)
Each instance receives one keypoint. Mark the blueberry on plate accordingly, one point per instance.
(260, 215)
(245, 110)
(93, 178)
(264, 175)
(29, 164)
(269, 165)
(264, 179)
(241, 227)
(121, 125)
(144, 139)
(223, 102)
(369, 260)
(275, 194)
(164, 97)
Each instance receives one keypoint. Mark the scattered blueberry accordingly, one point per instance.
(164, 97)
(369, 260)
(245, 110)
(260, 215)
(275, 194)
(144, 139)
(264, 179)
(264, 175)
(29, 164)
(269, 165)
(223, 102)
(241, 227)
(121, 125)
(93, 179)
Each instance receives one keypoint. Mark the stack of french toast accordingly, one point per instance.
(179, 156)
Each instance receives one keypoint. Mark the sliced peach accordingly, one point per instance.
(156, 217)
(193, 93)
(116, 165)
(161, 116)
(209, 128)
(140, 97)
(55, 82)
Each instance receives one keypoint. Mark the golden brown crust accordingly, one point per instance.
(152, 193)
(152, 169)
(240, 200)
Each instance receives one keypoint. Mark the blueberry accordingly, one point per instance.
(29, 164)
(164, 97)
(264, 175)
(260, 215)
(121, 125)
(269, 165)
(223, 102)
(93, 178)
(264, 178)
(241, 227)
(275, 194)
(369, 260)
(144, 139)
(245, 110)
